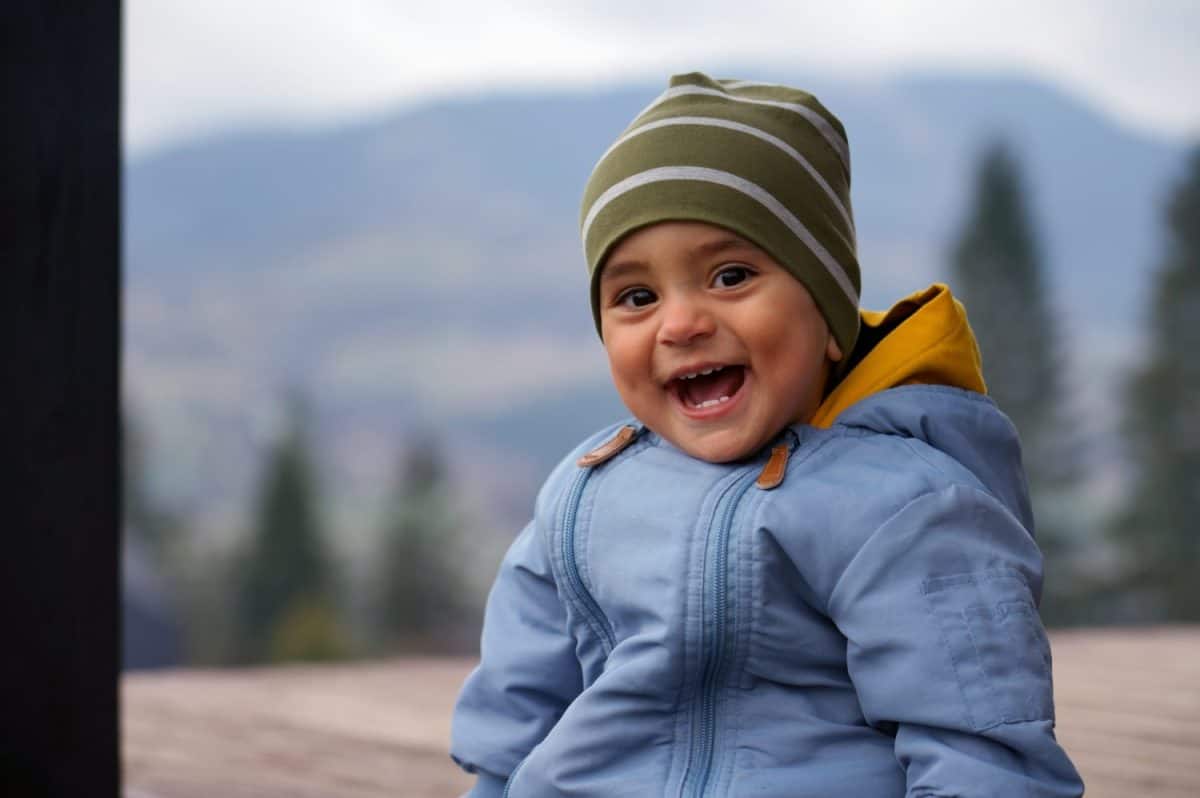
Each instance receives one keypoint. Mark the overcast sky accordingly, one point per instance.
(192, 68)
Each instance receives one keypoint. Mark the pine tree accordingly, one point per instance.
(997, 271)
(286, 586)
(153, 595)
(197, 581)
(421, 588)
(1159, 531)
(144, 518)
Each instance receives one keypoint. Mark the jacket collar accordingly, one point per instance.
(924, 339)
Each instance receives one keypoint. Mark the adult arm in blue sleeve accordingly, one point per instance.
(946, 649)
(528, 672)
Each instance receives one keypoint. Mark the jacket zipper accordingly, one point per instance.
(591, 610)
(715, 653)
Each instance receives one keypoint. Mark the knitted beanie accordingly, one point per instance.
(767, 162)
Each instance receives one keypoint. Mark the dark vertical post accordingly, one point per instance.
(59, 300)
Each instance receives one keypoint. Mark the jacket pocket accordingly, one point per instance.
(996, 645)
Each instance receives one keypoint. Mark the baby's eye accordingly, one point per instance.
(730, 276)
(636, 298)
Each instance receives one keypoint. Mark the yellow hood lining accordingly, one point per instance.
(922, 339)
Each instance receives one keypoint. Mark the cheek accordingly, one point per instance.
(796, 358)
(625, 363)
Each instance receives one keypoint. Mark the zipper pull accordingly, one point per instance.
(773, 472)
(610, 448)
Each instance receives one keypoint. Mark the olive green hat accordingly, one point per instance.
(768, 162)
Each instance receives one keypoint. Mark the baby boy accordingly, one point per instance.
(806, 567)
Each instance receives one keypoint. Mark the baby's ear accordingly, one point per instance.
(832, 350)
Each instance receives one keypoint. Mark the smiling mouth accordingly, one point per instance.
(709, 387)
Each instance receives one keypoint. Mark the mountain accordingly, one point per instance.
(422, 268)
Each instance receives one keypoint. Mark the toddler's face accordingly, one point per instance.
(712, 344)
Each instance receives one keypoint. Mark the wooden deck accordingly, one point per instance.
(1128, 713)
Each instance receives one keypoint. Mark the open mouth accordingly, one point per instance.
(709, 387)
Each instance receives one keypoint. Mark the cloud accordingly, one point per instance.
(192, 68)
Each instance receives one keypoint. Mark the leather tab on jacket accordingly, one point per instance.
(610, 448)
(772, 474)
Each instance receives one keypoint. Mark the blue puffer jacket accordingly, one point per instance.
(666, 626)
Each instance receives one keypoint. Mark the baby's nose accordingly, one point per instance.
(684, 321)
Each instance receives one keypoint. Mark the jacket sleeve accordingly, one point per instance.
(947, 651)
(528, 672)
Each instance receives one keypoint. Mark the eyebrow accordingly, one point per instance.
(623, 268)
(616, 271)
(722, 244)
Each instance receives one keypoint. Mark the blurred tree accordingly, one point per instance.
(161, 558)
(309, 630)
(423, 599)
(286, 578)
(144, 518)
(153, 627)
(997, 271)
(1159, 529)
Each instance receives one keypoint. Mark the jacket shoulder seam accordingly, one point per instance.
(846, 418)
(916, 446)
(951, 479)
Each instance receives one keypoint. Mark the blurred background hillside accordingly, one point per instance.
(357, 337)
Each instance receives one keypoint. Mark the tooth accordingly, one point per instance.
(707, 371)
(723, 399)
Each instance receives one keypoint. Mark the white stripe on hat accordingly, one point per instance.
(708, 121)
(819, 122)
(740, 184)
(746, 84)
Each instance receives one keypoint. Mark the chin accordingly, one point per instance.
(715, 451)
